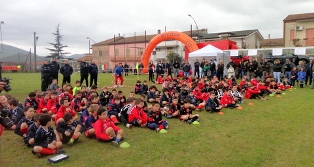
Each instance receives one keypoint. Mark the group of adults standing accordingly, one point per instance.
(50, 71)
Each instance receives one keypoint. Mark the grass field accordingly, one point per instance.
(277, 132)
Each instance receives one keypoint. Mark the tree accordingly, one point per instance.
(172, 57)
(57, 50)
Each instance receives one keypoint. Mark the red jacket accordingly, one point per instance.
(101, 126)
(226, 99)
(200, 86)
(249, 92)
(52, 105)
(197, 94)
(261, 87)
(62, 111)
(242, 83)
(138, 113)
(254, 82)
(68, 96)
(160, 80)
(42, 104)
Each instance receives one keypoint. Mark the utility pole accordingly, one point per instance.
(35, 64)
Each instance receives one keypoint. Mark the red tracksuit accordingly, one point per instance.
(251, 91)
(138, 113)
(226, 100)
(101, 126)
(42, 104)
(62, 111)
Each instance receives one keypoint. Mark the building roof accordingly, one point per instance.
(139, 39)
(272, 42)
(231, 34)
(303, 16)
(88, 57)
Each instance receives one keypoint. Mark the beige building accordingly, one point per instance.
(245, 39)
(272, 43)
(298, 30)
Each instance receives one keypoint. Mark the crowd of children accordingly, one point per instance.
(101, 112)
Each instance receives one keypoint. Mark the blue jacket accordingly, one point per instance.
(66, 70)
(93, 69)
(301, 76)
(118, 70)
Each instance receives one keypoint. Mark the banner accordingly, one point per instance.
(299, 51)
(252, 52)
(277, 52)
(234, 52)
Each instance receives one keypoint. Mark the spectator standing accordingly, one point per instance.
(202, 66)
(84, 71)
(186, 68)
(126, 69)
(220, 70)
(168, 68)
(287, 67)
(93, 71)
(309, 71)
(140, 68)
(265, 68)
(212, 67)
(277, 70)
(45, 76)
(159, 69)
(135, 66)
(55, 67)
(66, 70)
(197, 68)
(176, 66)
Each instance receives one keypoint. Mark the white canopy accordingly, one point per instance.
(208, 50)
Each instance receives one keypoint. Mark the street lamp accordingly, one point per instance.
(35, 43)
(195, 25)
(2, 22)
(99, 53)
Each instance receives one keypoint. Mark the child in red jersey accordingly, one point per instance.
(106, 130)
(43, 104)
(137, 116)
(273, 87)
(160, 79)
(65, 108)
(252, 92)
(186, 112)
(169, 78)
(227, 100)
(66, 94)
(53, 104)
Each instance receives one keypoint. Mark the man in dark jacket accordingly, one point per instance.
(212, 68)
(186, 67)
(93, 70)
(176, 66)
(197, 68)
(66, 70)
(168, 68)
(84, 70)
(55, 67)
(45, 76)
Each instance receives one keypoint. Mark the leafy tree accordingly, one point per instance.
(57, 50)
(172, 57)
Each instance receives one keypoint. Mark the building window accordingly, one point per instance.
(292, 35)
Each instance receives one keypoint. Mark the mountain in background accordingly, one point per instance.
(19, 56)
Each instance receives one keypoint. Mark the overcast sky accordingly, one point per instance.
(102, 19)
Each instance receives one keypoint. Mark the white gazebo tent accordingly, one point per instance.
(208, 53)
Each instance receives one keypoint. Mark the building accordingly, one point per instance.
(298, 30)
(245, 39)
(272, 43)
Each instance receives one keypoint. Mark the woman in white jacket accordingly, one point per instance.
(231, 72)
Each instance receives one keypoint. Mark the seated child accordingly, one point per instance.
(106, 130)
(227, 100)
(252, 92)
(137, 88)
(16, 113)
(186, 113)
(43, 103)
(294, 76)
(114, 110)
(273, 87)
(125, 111)
(151, 94)
(155, 121)
(53, 104)
(286, 83)
(104, 96)
(145, 107)
(212, 104)
(65, 108)
(31, 100)
(45, 138)
(122, 97)
(29, 138)
(160, 79)
(77, 87)
(23, 125)
(78, 103)
(144, 88)
(137, 116)
(69, 130)
(174, 109)
(236, 95)
(54, 85)
(165, 97)
(90, 121)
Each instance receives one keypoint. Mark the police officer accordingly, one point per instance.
(55, 67)
(66, 70)
(45, 76)
(84, 70)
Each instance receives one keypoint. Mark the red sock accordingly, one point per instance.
(161, 127)
(114, 119)
(47, 151)
(200, 106)
(24, 131)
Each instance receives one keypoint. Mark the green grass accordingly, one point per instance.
(277, 132)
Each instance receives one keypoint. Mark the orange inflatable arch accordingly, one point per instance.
(170, 35)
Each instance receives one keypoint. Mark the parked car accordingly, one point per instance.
(293, 58)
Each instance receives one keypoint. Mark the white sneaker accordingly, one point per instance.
(157, 129)
(167, 127)
(128, 126)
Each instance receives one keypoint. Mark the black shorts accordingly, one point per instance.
(134, 122)
(66, 139)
